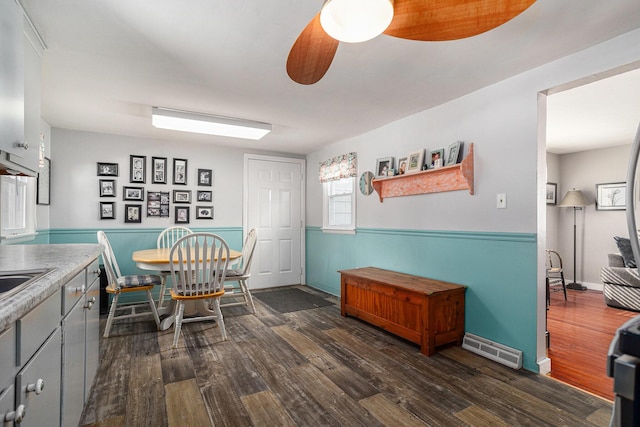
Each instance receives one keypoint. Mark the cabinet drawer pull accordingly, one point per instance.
(90, 303)
(17, 415)
(96, 272)
(24, 145)
(37, 387)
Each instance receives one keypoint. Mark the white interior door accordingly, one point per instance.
(274, 206)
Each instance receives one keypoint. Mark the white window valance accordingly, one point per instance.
(343, 166)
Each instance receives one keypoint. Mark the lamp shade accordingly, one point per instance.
(573, 199)
(355, 21)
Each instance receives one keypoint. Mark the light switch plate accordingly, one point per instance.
(502, 201)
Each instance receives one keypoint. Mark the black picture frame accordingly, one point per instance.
(43, 195)
(132, 213)
(204, 212)
(180, 171)
(133, 193)
(181, 196)
(158, 203)
(159, 170)
(552, 193)
(107, 210)
(205, 177)
(137, 169)
(182, 215)
(205, 196)
(107, 188)
(107, 169)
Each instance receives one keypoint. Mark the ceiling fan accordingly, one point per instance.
(422, 20)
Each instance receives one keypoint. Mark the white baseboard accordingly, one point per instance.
(593, 286)
(544, 366)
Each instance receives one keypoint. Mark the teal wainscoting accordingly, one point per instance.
(498, 268)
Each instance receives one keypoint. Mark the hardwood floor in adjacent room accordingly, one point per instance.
(581, 330)
(312, 368)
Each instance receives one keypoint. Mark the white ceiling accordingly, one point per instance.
(108, 62)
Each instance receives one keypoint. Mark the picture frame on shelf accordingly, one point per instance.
(204, 212)
(415, 161)
(132, 213)
(552, 193)
(436, 158)
(181, 196)
(159, 170)
(611, 196)
(205, 196)
(43, 195)
(383, 165)
(205, 177)
(107, 210)
(107, 169)
(453, 153)
(133, 193)
(137, 168)
(182, 215)
(402, 165)
(180, 171)
(107, 188)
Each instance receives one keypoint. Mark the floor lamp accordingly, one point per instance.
(576, 200)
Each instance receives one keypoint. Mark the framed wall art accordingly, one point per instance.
(133, 193)
(107, 210)
(415, 161)
(158, 203)
(204, 212)
(180, 171)
(132, 213)
(181, 196)
(205, 196)
(107, 188)
(552, 193)
(107, 169)
(44, 183)
(611, 196)
(383, 165)
(205, 177)
(182, 215)
(137, 169)
(159, 170)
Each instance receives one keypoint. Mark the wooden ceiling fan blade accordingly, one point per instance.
(440, 20)
(311, 54)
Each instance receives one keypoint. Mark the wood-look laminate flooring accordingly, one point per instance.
(315, 368)
(580, 331)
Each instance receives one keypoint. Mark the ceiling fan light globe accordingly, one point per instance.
(355, 21)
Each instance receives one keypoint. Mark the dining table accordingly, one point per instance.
(157, 259)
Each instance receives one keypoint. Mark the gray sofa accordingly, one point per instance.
(621, 285)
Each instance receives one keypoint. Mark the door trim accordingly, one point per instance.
(245, 197)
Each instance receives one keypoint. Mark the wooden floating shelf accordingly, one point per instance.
(448, 178)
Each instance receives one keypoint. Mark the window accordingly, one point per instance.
(17, 198)
(339, 205)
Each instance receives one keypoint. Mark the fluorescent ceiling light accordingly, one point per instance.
(355, 21)
(185, 121)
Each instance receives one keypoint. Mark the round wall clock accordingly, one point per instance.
(365, 183)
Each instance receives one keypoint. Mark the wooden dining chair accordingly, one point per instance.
(555, 273)
(235, 281)
(199, 264)
(119, 284)
(166, 239)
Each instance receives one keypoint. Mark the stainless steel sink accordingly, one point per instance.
(13, 281)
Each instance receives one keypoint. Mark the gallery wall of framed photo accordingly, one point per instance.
(419, 160)
(154, 201)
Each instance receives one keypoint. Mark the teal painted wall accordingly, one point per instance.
(498, 268)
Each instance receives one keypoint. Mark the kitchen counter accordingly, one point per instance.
(65, 260)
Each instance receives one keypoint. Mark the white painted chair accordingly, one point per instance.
(119, 284)
(166, 239)
(198, 270)
(235, 285)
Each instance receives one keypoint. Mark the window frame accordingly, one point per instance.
(326, 198)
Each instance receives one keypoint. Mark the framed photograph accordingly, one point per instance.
(453, 153)
(138, 168)
(158, 203)
(182, 214)
(415, 162)
(180, 171)
(204, 177)
(204, 212)
(159, 170)
(44, 183)
(205, 196)
(402, 165)
(436, 158)
(107, 188)
(383, 165)
(107, 169)
(552, 193)
(132, 213)
(181, 196)
(107, 210)
(611, 197)
(133, 193)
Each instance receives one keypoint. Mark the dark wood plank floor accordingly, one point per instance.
(581, 330)
(313, 368)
